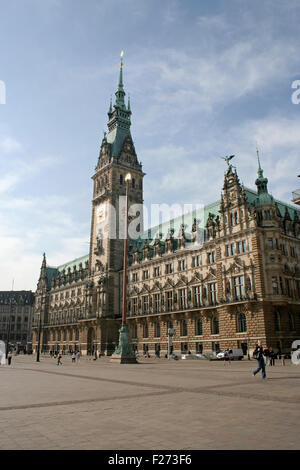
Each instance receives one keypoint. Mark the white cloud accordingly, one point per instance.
(9, 144)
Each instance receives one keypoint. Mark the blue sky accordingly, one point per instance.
(206, 79)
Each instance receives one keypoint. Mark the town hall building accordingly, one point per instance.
(222, 276)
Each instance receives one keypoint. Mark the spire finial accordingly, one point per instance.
(121, 57)
(259, 171)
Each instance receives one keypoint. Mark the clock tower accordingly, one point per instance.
(117, 158)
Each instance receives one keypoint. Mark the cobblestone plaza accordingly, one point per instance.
(156, 404)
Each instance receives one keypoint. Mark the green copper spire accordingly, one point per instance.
(259, 171)
(261, 182)
(119, 118)
(262, 189)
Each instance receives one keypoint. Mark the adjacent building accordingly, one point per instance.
(224, 275)
(16, 312)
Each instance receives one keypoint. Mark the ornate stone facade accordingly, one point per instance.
(227, 284)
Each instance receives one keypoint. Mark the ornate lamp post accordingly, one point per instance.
(124, 353)
(39, 331)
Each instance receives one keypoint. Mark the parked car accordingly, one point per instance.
(193, 356)
(232, 354)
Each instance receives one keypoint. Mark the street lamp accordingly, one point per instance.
(39, 334)
(124, 353)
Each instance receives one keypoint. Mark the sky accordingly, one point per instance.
(206, 79)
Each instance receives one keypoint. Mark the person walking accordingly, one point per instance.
(258, 355)
(73, 357)
(9, 357)
(226, 357)
(59, 356)
(78, 356)
(272, 357)
(267, 356)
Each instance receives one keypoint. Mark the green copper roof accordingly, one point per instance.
(119, 120)
(201, 215)
(74, 263)
(53, 272)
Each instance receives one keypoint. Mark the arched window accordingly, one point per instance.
(145, 330)
(184, 331)
(241, 323)
(276, 321)
(199, 327)
(215, 326)
(291, 322)
(157, 330)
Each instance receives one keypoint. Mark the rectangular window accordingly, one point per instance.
(157, 330)
(134, 305)
(145, 303)
(157, 302)
(298, 288)
(275, 287)
(157, 271)
(183, 298)
(169, 300)
(232, 249)
(145, 274)
(211, 257)
(196, 261)
(169, 268)
(181, 265)
(239, 247)
(281, 286)
(270, 243)
(293, 253)
(244, 248)
(238, 283)
(134, 277)
(288, 287)
(197, 296)
(227, 250)
(212, 292)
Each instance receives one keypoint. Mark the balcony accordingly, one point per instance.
(296, 197)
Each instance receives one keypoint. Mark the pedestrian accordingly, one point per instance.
(267, 356)
(59, 356)
(272, 357)
(78, 356)
(226, 356)
(9, 356)
(258, 355)
(73, 357)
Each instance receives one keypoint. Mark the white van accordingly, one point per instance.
(232, 354)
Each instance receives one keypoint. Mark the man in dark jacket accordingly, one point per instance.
(258, 354)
